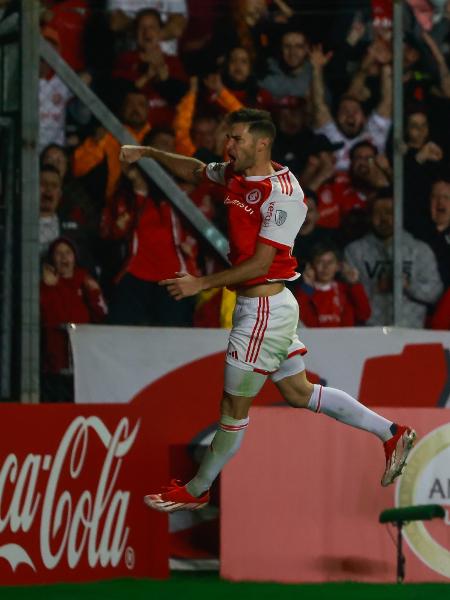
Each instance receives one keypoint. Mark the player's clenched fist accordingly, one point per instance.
(130, 154)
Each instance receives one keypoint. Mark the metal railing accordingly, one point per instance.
(164, 181)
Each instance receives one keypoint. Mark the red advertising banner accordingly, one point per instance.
(301, 501)
(72, 481)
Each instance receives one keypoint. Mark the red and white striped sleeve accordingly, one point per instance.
(283, 213)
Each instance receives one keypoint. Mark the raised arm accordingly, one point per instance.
(444, 72)
(186, 168)
(358, 88)
(384, 108)
(319, 60)
(174, 26)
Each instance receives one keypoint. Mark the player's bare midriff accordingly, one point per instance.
(262, 289)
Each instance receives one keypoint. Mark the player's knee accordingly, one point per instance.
(299, 395)
(236, 407)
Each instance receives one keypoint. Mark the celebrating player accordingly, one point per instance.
(265, 212)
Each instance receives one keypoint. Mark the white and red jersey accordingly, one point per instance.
(268, 209)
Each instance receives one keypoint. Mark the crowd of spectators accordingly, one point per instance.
(171, 70)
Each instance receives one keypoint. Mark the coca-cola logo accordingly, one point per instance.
(92, 524)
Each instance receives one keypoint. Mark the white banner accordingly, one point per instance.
(113, 364)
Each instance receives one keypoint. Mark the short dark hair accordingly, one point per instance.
(53, 146)
(295, 31)
(154, 132)
(416, 108)
(443, 177)
(362, 144)
(386, 193)
(147, 12)
(62, 240)
(259, 121)
(349, 98)
(322, 248)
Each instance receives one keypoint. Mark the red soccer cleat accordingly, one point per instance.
(396, 450)
(175, 497)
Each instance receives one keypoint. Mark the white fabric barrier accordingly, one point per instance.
(113, 364)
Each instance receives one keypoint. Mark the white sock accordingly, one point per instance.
(223, 447)
(344, 408)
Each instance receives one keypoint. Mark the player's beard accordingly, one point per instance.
(245, 161)
(351, 131)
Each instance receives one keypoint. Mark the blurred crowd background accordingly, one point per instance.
(171, 70)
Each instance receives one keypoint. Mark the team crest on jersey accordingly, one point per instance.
(253, 197)
(280, 217)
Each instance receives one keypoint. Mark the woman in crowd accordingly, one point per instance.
(68, 295)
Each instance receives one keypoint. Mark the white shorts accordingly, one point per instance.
(264, 339)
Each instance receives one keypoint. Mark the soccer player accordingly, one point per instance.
(265, 212)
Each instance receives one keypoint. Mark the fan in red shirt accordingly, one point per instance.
(441, 316)
(265, 212)
(69, 19)
(344, 198)
(159, 76)
(326, 302)
(160, 245)
(239, 79)
(68, 294)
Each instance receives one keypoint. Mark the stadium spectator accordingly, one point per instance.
(440, 64)
(160, 246)
(441, 316)
(50, 196)
(347, 54)
(174, 16)
(372, 257)
(351, 124)
(311, 234)
(320, 168)
(239, 77)
(342, 196)
(325, 301)
(423, 160)
(102, 149)
(438, 27)
(78, 213)
(365, 83)
(68, 294)
(159, 76)
(438, 234)
(69, 18)
(344, 200)
(53, 98)
(419, 77)
(291, 73)
(250, 24)
(292, 144)
(199, 32)
(199, 134)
